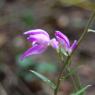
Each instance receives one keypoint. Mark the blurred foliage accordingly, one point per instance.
(2, 3)
(26, 75)
(86, 4)
(46, 67)
(18, 42)
(27, 62)
(43, 67)
(27, 19)
(71, 2)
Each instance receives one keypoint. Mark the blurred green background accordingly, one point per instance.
(68, 16)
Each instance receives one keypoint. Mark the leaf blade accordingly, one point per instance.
(43, 78)
(81, 90)
(91, 30)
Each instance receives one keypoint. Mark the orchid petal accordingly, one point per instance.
(62, 38)
(54, 43)
(40, 38)
(36, 31)
(74, 45)
(31, 39)
(37, 49)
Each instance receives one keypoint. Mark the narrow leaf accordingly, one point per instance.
(81, 90)
(43, 78)
(91, 30)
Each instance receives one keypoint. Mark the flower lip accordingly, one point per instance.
(36, 49)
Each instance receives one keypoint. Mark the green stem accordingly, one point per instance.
(69, 57)
(77, 81)
(72, 79)
(60, 75)
(86, 28)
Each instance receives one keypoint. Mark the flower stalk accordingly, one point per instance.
(60, 75)
(69, 57)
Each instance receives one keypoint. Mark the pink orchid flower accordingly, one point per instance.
(40, 40)
(65, 43)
